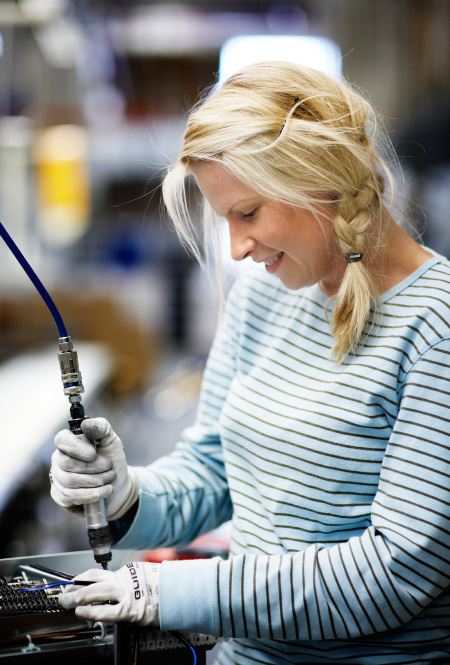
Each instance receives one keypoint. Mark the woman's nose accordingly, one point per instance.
(241, 244)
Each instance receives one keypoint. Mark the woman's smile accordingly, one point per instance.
(273, 262)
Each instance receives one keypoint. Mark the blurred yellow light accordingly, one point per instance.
(62, 184)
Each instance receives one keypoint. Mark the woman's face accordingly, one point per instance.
(295, 244)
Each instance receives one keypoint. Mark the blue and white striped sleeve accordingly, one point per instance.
(370, 583)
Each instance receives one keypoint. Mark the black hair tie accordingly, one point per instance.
(353, 257)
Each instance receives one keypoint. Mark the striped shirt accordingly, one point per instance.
(337, 479)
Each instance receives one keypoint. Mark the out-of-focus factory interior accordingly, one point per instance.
(93, 99)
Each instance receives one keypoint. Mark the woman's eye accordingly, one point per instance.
(248, 215)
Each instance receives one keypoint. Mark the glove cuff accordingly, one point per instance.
(131, 495)
(151, 573)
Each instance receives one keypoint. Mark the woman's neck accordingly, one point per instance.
(398, 256)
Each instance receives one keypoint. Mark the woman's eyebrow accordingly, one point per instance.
(240, 203)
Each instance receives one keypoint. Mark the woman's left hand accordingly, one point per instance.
(131, 594)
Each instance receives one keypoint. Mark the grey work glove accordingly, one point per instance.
(131, 594)
(81, 473)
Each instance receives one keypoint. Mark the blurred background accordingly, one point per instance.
(93, 100)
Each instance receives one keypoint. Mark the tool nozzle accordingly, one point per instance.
(98, 531)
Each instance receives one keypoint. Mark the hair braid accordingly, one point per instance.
(355, 224)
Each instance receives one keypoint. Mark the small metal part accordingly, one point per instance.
(102, 628)
(31, 646)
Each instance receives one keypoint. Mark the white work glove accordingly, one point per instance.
(131, 594)
(82, 474)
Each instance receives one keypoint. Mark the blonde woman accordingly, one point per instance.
(322, 430)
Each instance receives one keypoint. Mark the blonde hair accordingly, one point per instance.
(292, 133)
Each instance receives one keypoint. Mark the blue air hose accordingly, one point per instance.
(35, 280)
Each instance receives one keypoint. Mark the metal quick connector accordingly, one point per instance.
(70, 371)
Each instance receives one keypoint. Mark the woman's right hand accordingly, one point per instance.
(84, 473)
